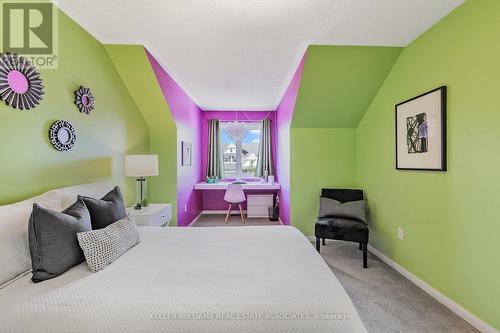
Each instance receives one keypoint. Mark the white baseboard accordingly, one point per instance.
(218, 212)
(195, 219)
(440, 297)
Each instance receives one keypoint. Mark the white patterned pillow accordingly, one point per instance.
(103, 246)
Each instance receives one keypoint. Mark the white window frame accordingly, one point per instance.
(239, 148)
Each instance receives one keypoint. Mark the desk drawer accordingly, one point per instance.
(260, 199)
(257, 205)
(164, 217)
(257, 211)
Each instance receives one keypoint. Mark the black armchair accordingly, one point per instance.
(341, 228)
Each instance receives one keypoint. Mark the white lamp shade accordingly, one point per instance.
(141, 165)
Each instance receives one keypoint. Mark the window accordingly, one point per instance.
(248, 149)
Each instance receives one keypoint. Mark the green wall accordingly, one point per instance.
(320, 157)
(450, 218)
(339, 83)
(30, 165)
(135, 69)
(337, 86)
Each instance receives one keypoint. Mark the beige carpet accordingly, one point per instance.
(386, 301)
(217, 220)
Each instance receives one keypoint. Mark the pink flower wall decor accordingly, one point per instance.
(20, 83)
(84, 100)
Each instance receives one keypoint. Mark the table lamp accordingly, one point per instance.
(140, 167)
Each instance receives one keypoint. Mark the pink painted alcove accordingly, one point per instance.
(214, 200)
(192, 126)
(231, 116)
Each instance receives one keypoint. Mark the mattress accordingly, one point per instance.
(220, 279)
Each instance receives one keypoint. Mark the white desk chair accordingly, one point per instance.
(234, 195)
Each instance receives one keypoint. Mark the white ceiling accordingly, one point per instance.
(241, 54)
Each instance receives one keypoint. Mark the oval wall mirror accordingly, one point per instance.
(62, 135)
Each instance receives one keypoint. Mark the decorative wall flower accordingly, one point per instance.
(20, 83)
(62, 135)
(84, 100)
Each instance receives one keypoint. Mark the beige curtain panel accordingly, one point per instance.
(215, 166)
(265, 161)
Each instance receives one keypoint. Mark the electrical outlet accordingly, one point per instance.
(401, 234)
(185, 208)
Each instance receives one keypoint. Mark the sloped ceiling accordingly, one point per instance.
(241, 54)
(134, 68)
(339, 83)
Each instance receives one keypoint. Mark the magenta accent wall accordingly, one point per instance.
(187, 116)
(284, 115)
(230, 116)
(214, 200)
(192, 126)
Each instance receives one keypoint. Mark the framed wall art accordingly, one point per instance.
(187, 153)
(421, 132)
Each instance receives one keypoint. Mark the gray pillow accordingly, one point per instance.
(52, 239)
(106, 210)
(350, 210)
(102, 247)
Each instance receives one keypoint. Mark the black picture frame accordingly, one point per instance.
(442, 128)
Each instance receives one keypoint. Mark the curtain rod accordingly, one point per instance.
(241, 120)
(247, 120)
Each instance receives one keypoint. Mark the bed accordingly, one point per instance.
(219, 279)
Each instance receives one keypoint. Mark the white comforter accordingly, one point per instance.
(232, 279)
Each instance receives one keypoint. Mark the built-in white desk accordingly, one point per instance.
(246, 186)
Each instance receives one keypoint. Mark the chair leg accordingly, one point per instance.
(318, 244)
(365, 255)
(324, 241)
(360, 246)
(228, 211)
(241, 213)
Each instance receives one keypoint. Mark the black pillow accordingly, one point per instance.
(53, 242)
(106, 210)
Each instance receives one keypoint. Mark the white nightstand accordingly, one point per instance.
(154, 215)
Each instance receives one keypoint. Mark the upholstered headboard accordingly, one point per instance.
(69, 194)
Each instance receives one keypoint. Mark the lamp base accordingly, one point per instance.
(141, 193)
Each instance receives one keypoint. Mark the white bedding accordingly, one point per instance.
(213, 277)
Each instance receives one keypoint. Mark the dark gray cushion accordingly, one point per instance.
(350, 210)
(53, 242)
(106, 210)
